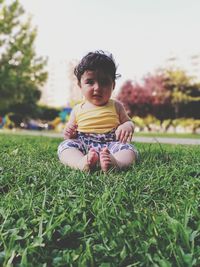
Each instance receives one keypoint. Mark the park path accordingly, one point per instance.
(167, 140)
(163, 140)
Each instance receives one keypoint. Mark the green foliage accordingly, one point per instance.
(47, 113)
(21, 72)
(145, 122)
(184, 91)
(153, 124)
(182, 86)
(51, 215)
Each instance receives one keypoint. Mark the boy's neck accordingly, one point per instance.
(88, 104)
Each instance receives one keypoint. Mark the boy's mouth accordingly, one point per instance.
(96, 96)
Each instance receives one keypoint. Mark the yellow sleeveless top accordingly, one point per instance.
(100, 119)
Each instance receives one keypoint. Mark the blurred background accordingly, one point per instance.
(156, 45)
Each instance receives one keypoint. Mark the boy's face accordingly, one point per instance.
(97, 87)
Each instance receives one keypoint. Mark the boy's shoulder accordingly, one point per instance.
(117, 103)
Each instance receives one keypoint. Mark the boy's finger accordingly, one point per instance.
(124, 139)
(129, 138)
(122, 136)
(117, 134)
(71, 127)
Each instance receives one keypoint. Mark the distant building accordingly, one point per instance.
(61, 88)
(55, 92)
(74, 90)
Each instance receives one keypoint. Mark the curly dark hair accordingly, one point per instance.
(98, 60)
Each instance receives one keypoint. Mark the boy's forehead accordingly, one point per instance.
(95, 74)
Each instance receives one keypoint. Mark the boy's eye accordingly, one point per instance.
(89, 81)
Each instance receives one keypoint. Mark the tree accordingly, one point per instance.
(135, 98)
(185, 93)
(21, 71)
(169, 94)
(149, 98)
(160, 96)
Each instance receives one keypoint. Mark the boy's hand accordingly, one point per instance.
(124, 132)
(70, 131)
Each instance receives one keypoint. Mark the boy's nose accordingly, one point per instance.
(96, 86)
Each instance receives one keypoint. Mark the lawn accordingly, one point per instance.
(50, 215)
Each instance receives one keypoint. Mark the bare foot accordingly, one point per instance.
(89, 161)
(92, 158)
(105, 159)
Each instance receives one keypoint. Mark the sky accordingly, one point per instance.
(141, 34)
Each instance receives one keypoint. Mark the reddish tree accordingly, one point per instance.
(160, 96)
(150, 98)
(135, 99)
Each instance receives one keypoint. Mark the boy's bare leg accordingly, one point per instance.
(124, 158)
(74, 158)
(121, 159)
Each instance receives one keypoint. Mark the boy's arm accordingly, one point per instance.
(125, 130)
(70, 128)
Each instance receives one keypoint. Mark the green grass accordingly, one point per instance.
(50, 215)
